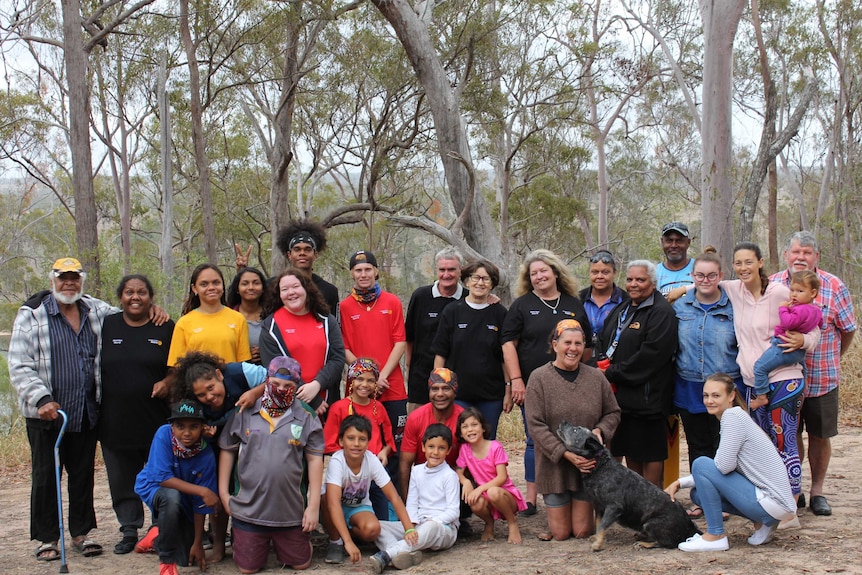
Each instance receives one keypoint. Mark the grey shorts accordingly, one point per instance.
(553, 500)
(819, 415)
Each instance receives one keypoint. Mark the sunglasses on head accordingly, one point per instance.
(604, 257)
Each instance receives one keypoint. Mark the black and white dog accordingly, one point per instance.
(620, 495)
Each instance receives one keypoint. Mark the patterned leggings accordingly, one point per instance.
(781, 424)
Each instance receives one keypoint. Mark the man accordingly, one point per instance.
(819, 414)
(423, 316)
(675, 271)
(301, 241)
(52, 365)
(441, 408)
(372, 324)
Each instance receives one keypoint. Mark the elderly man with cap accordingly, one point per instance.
(372, 323)
(676, 270)
(53, 365)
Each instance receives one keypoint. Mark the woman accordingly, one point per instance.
(547, 293)
(207, 323)
(640, 338)
(567, 390)
(746, 477)
(755, 315)
(300, 326)
(135, 376)
(246, 295)
(468, 343)
(602, 295)
(707, 345)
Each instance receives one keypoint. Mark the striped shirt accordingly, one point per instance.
(824, 363)
(73, 357)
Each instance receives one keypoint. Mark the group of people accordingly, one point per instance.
(252, 368)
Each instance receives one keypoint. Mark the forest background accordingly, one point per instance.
(150, 136)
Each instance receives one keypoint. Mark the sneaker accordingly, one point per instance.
(379, 561)
(168, 569)
(790, 524)
(407, 559)
(334, 553)
(697, 544)
(147, 544)
(763, 535)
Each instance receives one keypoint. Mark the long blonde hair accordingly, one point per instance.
(566, 282)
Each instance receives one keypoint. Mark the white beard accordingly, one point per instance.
(65, 299)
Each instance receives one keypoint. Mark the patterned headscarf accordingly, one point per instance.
(444, 375)
(566, 324)
(362, 365)
(276, 401)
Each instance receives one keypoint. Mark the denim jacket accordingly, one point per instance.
(707, 342)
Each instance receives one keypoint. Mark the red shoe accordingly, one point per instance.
(145, 545)
(168, 569)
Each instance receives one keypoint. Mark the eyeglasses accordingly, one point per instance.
(705, 277)
(480, 279)
(604, 257)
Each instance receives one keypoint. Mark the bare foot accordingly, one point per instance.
(488, 533)
(514, 534)
(216, 556)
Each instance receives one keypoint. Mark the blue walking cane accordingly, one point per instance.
(63, 567)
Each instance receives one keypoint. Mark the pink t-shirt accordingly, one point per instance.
(484, 470)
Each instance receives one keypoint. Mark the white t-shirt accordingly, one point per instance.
(355, 486)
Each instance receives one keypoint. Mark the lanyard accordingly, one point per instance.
(623, 321)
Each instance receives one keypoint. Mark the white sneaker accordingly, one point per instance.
(763, 535)
(790, 524)
(697, 543)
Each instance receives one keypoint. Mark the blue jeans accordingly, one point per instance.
(529, 452)
(176, 529)
(715, 492)
(490, 410)
(772, 359)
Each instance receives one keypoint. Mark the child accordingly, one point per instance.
(268, 442)
(361, 400)
(495, 496)
(432, 503)
(347, 512)
(178, 484)
(799, 315)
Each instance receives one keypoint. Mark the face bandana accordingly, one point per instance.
(183, 452)
(276, 401)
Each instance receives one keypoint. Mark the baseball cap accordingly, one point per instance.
(362, 257)
(187, 409)
(284, 367)
(67, 265)
(677, 227)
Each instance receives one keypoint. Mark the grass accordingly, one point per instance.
(15, 451)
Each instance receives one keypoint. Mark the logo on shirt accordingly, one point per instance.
(153, 341)
(290, 330)
(197, 330)
(534, 312)
(296, 432)
(231, 326)
(117, 341)
(635, 325)
(462, 326)
(568, 313)
(386, 311)
(432, 314)
(355, 317)
(492, 327)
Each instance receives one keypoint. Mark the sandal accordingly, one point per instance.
(47, 552)
(695, 511)
(87, 547)
(545, 536)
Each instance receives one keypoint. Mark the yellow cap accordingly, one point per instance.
(67, 265)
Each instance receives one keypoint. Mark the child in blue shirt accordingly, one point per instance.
(178, 484)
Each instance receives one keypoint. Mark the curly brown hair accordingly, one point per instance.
(314, 301)
(190, 368)
(293, 227)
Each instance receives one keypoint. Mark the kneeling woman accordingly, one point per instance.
(746, 478)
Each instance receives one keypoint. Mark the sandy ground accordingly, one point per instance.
(823, 545)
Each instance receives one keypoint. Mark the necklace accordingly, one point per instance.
(371, 307)
(554, 307)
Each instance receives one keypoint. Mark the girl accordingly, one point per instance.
(362, 392)
(247, 295)
(486, 460)
(207, 323)
(747, 477)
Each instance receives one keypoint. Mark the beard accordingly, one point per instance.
(67, 299)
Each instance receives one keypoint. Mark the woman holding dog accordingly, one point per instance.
(567, 390)
(747, 477)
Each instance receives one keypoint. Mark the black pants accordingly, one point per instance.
(78, 457)
(123, 466)
(701, 434)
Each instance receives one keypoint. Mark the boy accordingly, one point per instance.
(347, 512)
(178, 484)
(433, 503)
(269, 442)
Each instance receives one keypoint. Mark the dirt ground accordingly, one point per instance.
(823, 545)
